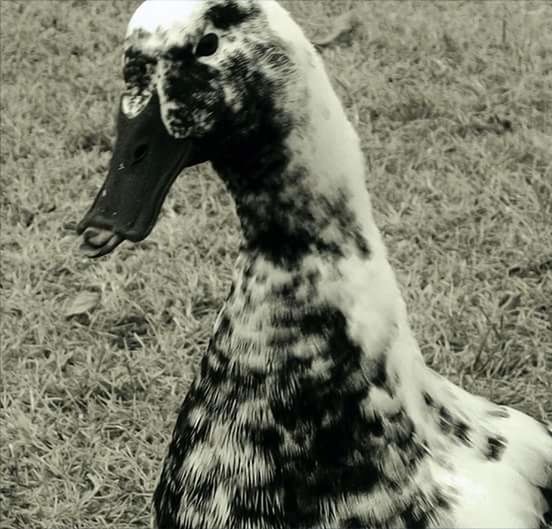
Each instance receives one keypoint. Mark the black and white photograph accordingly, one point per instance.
(276, 264)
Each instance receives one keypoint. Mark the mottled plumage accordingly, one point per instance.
(312, 407)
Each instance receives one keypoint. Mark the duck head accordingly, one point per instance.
(205, 81)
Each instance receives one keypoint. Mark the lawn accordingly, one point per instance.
(453, 101)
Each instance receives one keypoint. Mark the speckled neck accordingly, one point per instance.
(300, 406)
(289, 414)
(290, 206)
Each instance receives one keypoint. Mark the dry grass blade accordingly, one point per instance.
(343, 30)
(83, 303)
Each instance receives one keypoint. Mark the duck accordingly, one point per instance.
(313, 406)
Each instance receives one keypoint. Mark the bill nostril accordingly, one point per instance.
(140, 153)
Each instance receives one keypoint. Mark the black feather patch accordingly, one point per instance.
(462, 432)
(495, 447)
(230, 14)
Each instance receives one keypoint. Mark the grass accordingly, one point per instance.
(453, 104)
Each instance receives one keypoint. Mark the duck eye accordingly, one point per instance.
(207, 45)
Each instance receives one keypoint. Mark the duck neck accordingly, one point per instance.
(313, 266)
(310, 374)
(313, 260)
(302, 194)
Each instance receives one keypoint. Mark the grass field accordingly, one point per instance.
(453, 102)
